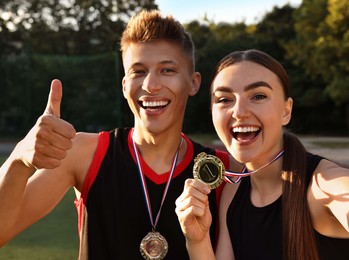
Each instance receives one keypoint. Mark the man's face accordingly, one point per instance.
(157, 83)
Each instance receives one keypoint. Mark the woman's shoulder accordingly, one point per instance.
(329, 196)
(228, 194)
(330, 171)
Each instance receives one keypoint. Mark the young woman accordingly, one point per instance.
(292, 204)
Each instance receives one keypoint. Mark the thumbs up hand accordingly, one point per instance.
(47, 143)
(53, 106)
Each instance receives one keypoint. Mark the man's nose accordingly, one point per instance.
(151, 83)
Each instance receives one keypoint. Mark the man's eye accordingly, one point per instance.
(138, 72)
(168, 70)
(135, 73)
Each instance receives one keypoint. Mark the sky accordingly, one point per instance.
(231, 11)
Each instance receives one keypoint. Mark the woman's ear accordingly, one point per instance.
(286, 117)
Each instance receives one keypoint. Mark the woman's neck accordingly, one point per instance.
(266, 185)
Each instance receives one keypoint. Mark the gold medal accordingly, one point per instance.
(154, 246)
(209, 169)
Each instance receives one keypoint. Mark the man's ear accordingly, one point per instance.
(286, 117)
(195, 83)
(123, 82)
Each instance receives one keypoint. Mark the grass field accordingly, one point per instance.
(55, 237)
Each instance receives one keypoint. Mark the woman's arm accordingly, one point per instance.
(195, 218)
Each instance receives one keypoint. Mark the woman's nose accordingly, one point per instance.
(241, 109)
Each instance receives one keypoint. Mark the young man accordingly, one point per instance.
(126, 180)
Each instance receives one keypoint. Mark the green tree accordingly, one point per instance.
(69, 27)
(333, 46)
(275, 30)
(321, 47)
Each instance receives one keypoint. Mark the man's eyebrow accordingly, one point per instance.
(168, 62)
(139, 63)
(136, 64)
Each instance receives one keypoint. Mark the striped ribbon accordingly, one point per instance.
(144, 185)
(229, 175)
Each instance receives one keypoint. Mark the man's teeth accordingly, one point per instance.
(154, 103)
(245, 129)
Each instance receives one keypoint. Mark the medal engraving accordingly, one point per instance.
(154, 246)
(209, 169)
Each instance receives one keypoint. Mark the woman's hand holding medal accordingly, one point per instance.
(192, 209)
(192, 206)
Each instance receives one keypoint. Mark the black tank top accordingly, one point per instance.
(256, 232)
(113, 218)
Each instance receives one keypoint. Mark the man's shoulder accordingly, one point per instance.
(85, 139)
(82, 153)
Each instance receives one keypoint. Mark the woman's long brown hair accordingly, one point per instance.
(297, 232)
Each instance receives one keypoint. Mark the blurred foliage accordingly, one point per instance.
(91, 90)
(321, 48)
(77, 42)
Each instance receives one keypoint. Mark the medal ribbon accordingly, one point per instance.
(144, 185)
(228, 177)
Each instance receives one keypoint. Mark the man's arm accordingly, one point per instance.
(36, 175)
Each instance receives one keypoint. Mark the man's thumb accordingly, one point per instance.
(54, 99)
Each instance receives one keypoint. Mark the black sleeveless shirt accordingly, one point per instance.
(256, 232)
(113, 218)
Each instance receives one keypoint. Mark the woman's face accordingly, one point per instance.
(249, 111)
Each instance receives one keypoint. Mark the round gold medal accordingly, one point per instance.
(154, 246)
(209, 169)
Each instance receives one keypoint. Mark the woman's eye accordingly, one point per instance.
(259, 97)
(223, 100)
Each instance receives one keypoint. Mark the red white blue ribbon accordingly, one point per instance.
(229, 175)
(144, 185)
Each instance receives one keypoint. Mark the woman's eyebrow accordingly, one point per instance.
(256, 85)
(223, 89)
(250, 86)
